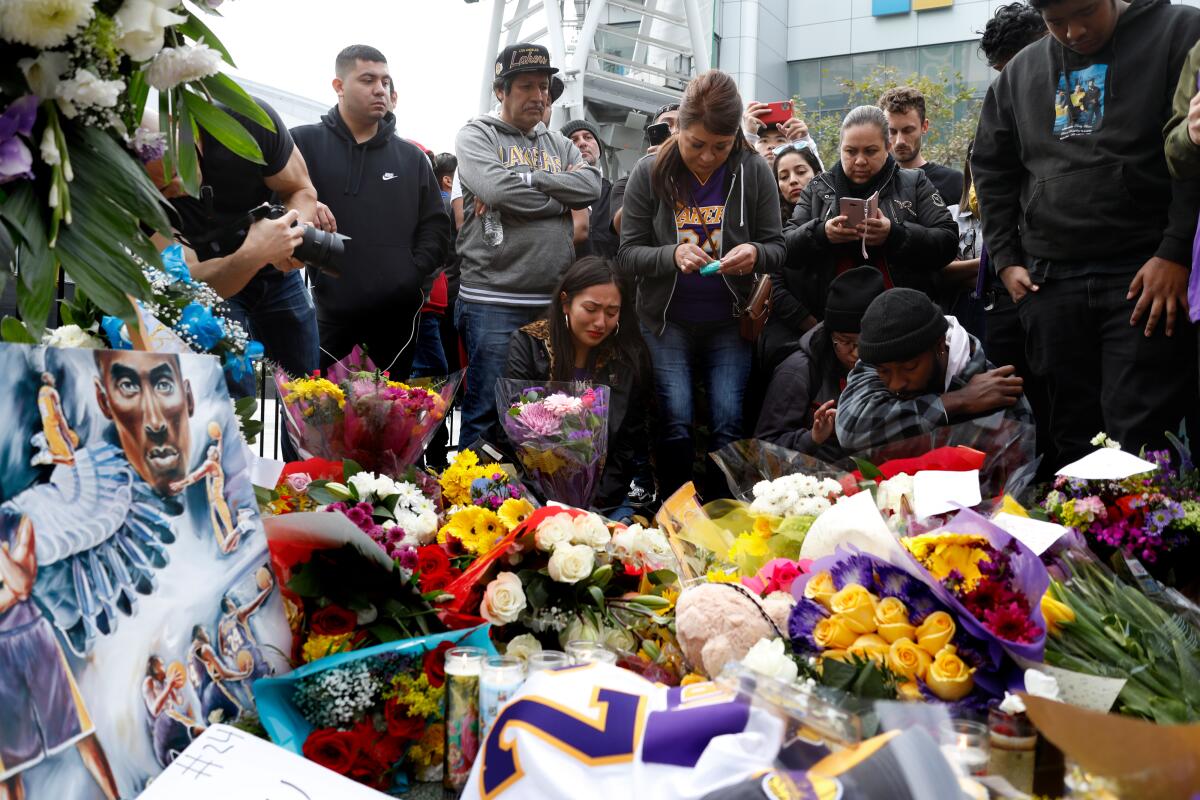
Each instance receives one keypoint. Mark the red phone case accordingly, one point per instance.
(781, 112)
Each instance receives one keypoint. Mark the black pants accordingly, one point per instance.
(389, 339)
(1102, 373)
(1005, 346)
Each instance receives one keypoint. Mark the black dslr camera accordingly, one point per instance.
(318, 249)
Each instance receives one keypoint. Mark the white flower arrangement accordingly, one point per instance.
(87, 90)
(796, 495)
(642, 548)
(71, 336)
(44, 23)
(590, 529)
(175, 65)
(1102, 439)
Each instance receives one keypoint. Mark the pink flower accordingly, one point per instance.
(539, 420)
(589, 398)
(298, 482)
(776, 576)
(561, 405)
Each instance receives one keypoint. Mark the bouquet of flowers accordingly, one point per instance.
(856, 608)
(749, 463)
(563, 574)
(375, 715)
(466, 482)
(1154, 517)
(1100, 625)
(358, 412)
(559, 432)
(78, 75)
(993, 583)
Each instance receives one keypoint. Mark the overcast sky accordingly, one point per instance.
(434, 49)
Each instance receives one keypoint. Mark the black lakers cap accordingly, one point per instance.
(523, 58)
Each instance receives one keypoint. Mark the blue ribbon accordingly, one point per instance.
(200, 323)
(241, 367)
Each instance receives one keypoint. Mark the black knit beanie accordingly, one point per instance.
(582, 125)
(899, 325)
(849, 296)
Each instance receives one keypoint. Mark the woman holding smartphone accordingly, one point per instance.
(704, 197)
(909, 239)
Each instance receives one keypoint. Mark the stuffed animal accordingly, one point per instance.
(716, 623)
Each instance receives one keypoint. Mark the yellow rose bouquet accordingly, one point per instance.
(858, 616)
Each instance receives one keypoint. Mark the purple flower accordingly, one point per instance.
(148, 145)
(298, 481)
(538, 420)
(407, 556)
(359, 517)
(16, 161)
(804, 618)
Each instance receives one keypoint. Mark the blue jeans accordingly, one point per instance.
(276, 309)
(719, 354)
(430, 358)
(485, 330)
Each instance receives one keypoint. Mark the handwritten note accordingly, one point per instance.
(937, 491)
(225, 762)
(1092, 692)
(1107, 464)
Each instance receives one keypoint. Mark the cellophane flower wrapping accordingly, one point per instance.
(748, 462)
(375, 715)
(1028, 578)
(357, 412)
(1010, 464)
(559, 432)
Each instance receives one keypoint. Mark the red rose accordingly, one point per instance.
(435, 664)
(334, 621)
(432, 559)
(335, 750)
(377, 749)
(434, 581)
(400, 725)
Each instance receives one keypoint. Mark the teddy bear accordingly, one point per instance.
(716, 623)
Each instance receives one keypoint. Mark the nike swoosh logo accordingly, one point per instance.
(387, 176)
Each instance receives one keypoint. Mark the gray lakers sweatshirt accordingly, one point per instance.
(525, 178)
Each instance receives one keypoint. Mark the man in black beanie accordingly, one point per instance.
(919, 370)
(601, 241)
(801, 402)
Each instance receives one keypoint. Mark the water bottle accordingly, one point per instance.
(493, 230)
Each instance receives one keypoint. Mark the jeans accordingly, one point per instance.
(1102, 373)
(429, 360)
(715, 352)
(486, 330)
(277, 310)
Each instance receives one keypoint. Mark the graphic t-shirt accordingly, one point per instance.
(1079, 101)
(702, 298)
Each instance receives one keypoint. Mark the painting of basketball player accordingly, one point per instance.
(56, 441)
(234, 636)
(225, 530)
(173, 719)
(213, 679)
(41, 710)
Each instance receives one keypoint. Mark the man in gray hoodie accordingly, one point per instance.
(520, 182)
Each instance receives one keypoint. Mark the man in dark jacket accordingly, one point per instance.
(383, 195)
(601, 241)
(1083, 222)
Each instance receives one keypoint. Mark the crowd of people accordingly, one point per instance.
(733, 285)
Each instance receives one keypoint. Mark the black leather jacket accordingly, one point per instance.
(529, 358)
(924, 239)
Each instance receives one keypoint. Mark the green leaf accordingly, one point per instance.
(196, 30)
(99, 159)
(597, 595)
(649, 601)
(167, 125)
(224, 128)
(139, 92)
(189, 168)
(225, 90)
(602, 575)
(322, 496)
(663, 577)
(262, 496)
(12, 331)
(869, 471)
(8, 254)
(36, 282)
(385, 632)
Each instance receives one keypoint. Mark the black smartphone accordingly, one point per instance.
(658, 133)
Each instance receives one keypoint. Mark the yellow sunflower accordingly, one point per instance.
(513, 512)
(478, 529)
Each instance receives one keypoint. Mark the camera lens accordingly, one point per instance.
(322, 250)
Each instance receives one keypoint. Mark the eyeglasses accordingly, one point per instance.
(846, 346)
(783, 148)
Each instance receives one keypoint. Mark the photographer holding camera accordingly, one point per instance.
(234, 245)
(383, 193)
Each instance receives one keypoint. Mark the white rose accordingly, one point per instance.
(653, 549)
(142, 24)
(503, 600)
(523, 646)
(590, 530)
(554, 531)
(624, 543)
(71, 336)
(768, 657)
(579, 630)
(571, 563)
(87, 90)
(364, 485)
(618, 639)
(175, 65)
